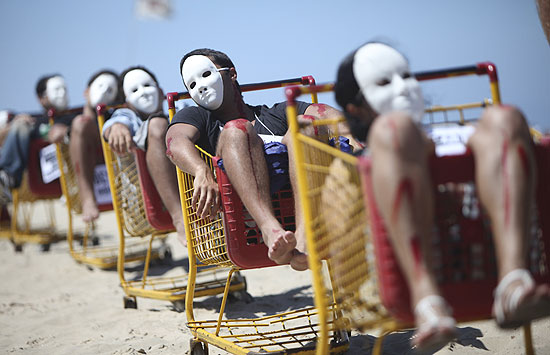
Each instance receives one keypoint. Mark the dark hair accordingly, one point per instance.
(42, 82)
(101, 72)
(120, 93)
(346, 91)
(219, 58)
(123, 74)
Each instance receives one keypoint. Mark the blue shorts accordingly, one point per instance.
(276, 157)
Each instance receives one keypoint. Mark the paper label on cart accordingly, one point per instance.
(450, 140)
(267, 138)
(102, 191)
(48, 164)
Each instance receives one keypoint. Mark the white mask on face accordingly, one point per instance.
(203, 80)
(384, 78)
(141, 91)
(56, 92)
(103, 90)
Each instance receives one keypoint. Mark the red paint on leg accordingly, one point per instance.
(168, 151)
(524, 160)
(239, 123)
(405, 188)
(505, 183)
(77, 168)
(312, 119)
(321, 109)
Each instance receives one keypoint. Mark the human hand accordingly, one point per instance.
(206, 195)
(119, 139)
(57, 133)
(24, 118)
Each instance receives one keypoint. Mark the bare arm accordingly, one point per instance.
(180, 149)
(323, 111)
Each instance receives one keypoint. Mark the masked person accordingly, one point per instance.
(143, 126)
(383, 104)
(243, 136)
(51, 92)
(84, 145)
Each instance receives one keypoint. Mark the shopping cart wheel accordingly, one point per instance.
(95, 240)
(165, 255)
(179, 305)
(45, 247)
(130, 302)
(18, 248)
(197, 347)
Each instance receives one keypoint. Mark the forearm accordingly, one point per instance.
(186, 156)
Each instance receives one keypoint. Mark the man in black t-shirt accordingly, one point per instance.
(224, 125)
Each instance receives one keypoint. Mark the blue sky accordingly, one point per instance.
(270, 40)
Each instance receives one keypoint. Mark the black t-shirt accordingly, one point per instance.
(66, 119)
(209, 126)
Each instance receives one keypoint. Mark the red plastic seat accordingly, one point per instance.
(464, 260)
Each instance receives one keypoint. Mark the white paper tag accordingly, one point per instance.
(48, 164)
(450, 140)
(102, 191)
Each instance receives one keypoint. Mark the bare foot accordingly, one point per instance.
(180, 231)
(299, 261)
(282, 247)
(518, 300)
(435, 325)
(90, 212)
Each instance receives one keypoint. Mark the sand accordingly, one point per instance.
(49, 304)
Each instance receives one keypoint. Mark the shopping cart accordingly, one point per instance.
(140, 213)
(32, 191)
(103, 257)
(341, 228)
(232, 239)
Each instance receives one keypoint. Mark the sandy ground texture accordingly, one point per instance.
(49, 304)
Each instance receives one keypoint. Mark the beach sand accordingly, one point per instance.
(49, 304)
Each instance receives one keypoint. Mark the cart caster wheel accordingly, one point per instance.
(45, 247)
(18, 248)
(179, 305)
(197, 347)
(165, 255)
(130, 302)
(240, 295)
(95, 241)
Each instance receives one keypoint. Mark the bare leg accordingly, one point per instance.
(405, 197)
(164, 174)
(505, 176)
(242, 152)
(83, 148)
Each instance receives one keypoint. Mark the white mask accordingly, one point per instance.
(203, 80)
(103, 90)
(384, 78)
(141, 91)
(56, 92)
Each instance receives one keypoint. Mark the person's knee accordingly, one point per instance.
(503, 119)
(395, 132)
(238, 133)
(157, 129)
(83, 126)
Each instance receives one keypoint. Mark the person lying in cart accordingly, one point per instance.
(143, 126)
(383, 104)
(51, 92)
(84, 144)
(245, 137)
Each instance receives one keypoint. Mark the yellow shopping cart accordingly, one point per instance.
(140, 213)
(103, 257)
(344, 227)
(232, 239)
(32, 191)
